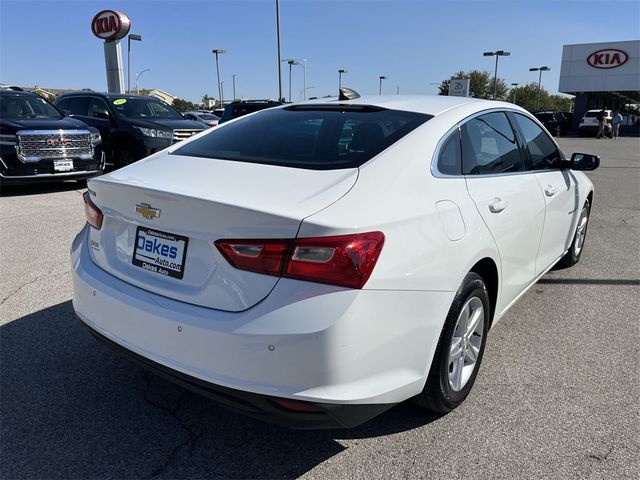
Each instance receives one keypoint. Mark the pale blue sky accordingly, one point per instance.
(49, 43)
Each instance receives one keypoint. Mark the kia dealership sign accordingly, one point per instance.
(607, 58)
(600, 67)
(110, 25)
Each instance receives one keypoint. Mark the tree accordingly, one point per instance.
(480, 85)
(183, 105)
(527, 97)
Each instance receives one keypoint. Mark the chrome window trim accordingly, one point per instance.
(434, 160)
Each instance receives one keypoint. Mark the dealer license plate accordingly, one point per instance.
(62, 165)
(160, 252)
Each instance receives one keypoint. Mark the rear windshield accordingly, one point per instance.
(322, 137)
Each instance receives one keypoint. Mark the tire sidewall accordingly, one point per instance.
(472, 286)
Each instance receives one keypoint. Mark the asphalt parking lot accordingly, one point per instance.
(557, 395)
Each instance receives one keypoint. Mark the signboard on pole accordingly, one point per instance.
(111, 26)
(459, 87)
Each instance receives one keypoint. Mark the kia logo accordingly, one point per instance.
(110, 25)
(607, 58)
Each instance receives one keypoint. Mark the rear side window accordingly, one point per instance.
(542, 151)
(321, 137)
(489, 146)
(79, 105)
(449, 159)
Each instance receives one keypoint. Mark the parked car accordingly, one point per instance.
(240, 108)
(555, 122)
(317, 286)
(38, 143)
(589, 123)
(132, 126)
(206, 118)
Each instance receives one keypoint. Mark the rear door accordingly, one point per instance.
(507, 197)
(558, 186)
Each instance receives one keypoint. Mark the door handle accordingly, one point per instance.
(497, 205)
(550, 191)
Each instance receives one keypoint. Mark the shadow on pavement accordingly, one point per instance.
(39, 188)
(72, 408)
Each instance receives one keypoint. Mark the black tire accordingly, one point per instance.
(122, 155)
(438, 394)
(573, 254)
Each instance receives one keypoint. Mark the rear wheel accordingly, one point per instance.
(460, 348)
(575, 250)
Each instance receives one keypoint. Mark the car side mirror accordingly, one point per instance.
(584, 161)
(104, 114)
(67, 113)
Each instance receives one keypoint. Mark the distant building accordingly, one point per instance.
(162, 95)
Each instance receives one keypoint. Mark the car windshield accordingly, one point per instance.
(318, 137)
(23, 106)
(143, 108)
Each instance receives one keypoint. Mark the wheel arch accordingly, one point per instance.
(488, 270)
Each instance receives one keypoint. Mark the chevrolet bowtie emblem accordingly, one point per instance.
(147, 211)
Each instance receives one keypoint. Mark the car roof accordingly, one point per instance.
(107, 95)
(17, 93)
(428, 104)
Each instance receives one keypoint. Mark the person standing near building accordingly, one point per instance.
(616, 120)
(601, 120)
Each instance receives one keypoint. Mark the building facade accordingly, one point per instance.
(602, 75)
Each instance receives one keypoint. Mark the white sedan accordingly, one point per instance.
(315, 264)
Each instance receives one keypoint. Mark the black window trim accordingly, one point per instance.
(506, 110)
(524, 147)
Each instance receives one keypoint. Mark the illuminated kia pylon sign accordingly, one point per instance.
(607, 58)
(110, 25)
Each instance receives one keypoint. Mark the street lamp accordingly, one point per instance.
(138, 78)
(539, 69)
(381, 77)
(221, 93)
(340, 72)
(137, 38)
(497, 53)
(234, 86)
(216, 52)
(279, 51)
(397, 89)
(291, 62)
(515, 88)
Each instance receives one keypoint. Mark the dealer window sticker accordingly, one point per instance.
(120, 101)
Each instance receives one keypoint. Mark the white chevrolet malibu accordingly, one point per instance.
(315, 264)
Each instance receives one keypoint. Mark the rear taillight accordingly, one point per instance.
(92, 212)
(345, 260)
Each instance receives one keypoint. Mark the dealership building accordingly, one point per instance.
(602, 75)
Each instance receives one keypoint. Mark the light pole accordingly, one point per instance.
(216, 52)
(381, 77)
(397, 89)
(137, 38)
(221, 93)
(291, 62)
(340, 72)
(304, 84)
(539, 69)
(497, 53)
(234, 86)
(138, 78)
(515, 90)
(279, 51)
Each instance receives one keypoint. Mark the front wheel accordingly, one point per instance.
(575, 250)
(460, 348)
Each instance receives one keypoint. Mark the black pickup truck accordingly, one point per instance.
(39, 143)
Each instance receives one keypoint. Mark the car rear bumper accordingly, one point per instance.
(333, 347)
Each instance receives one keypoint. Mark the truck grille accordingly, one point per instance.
(182, 134)
(36, 145)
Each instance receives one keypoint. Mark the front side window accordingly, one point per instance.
(97, 105)
(318, 137)
(79, 105)
(449, 160)
(542, 151)
(489, 146)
